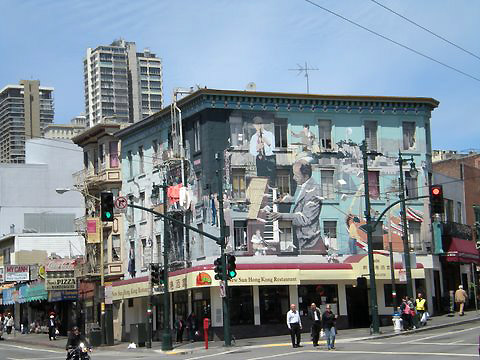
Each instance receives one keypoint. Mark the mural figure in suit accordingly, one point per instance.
(305, 211)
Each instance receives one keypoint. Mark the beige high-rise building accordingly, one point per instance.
(121, 85)
(25, 110)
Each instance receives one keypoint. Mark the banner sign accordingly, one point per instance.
(2, 279)
(17, 272)
(93, 231)
(61, 265)
(60, 280)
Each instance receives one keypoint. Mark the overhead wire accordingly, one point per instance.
(425, 29)
(395, 42)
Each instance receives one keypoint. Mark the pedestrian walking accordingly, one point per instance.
(421, 307)
(316, 316)
(329, 326)
(180, 327)
(412, 313)
(192, 326)
(406, 314)
(9, 323)
(294, 324)
(460, 299)
(52, 328)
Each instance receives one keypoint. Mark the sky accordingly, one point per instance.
(226, 44)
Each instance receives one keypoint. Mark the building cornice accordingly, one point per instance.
(288, 102)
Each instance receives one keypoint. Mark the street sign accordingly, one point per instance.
(222, 289)
(121, 203)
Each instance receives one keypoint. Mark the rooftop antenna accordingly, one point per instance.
(304, 69)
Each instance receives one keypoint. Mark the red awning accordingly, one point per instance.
(463, 251)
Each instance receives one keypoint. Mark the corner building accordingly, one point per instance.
(293, 202)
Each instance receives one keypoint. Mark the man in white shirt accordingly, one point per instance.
(262, 145)
(294, 324)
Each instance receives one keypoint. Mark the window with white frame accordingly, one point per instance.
(141, 160)
(286, 236)
(326, 184)
(196, 134)
(238, 183)
(330, 232)
(374, 184)
(283, 182)
(281, 133)
(142, 203)
(459, 212)
(411, 185)
(408, 135)
(240, 235)
(371, 134)
(116, 247)
(414, 235)
(325, 133)
(130, 164)
(131, 211)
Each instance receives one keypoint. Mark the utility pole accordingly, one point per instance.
(392, 263)
(167, 336)
(226, 299)
(371, 263)
(406, 247)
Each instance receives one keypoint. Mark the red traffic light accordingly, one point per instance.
(436, 191)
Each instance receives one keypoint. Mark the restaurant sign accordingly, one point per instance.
(17, 272)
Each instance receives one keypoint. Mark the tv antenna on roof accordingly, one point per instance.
(304, 69)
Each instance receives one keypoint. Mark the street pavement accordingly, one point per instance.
(453, 337)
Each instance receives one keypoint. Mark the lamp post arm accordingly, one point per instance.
(213, 237)
(374, 226)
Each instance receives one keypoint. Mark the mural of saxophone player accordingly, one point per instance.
(305, 211)
(262, 145)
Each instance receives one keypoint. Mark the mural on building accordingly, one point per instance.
(280, 175)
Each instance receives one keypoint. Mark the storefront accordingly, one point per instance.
(129, 301)
(261, 294)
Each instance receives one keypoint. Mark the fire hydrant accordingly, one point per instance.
(397, 323)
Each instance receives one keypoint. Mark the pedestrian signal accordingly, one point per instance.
(362, 282)
(436, 199)
(106, 206)
(155, 274)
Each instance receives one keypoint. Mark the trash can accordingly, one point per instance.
(138, 334)
(95, 337)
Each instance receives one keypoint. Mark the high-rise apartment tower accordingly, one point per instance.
(121, 85)
(25, 110)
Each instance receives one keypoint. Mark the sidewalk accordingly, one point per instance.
(344, 336)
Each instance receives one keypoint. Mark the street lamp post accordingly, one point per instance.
(406, 247)
(371, 263)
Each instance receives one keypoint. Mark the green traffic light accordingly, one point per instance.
(232, 274)
(108, 215)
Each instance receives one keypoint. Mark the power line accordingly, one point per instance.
(394, 41)
(425, 29)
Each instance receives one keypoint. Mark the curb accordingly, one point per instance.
(422, 329)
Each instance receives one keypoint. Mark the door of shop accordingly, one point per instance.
(357, 307)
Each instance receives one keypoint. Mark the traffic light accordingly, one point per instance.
(218, 268)
(231, 266)
(436, 199)
(106, 205)
(155, 274)
(361, 282)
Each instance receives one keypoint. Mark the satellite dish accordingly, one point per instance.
(251, 86)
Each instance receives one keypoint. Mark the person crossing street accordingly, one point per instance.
(329, 319)
(316, 316)
(294, 324)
